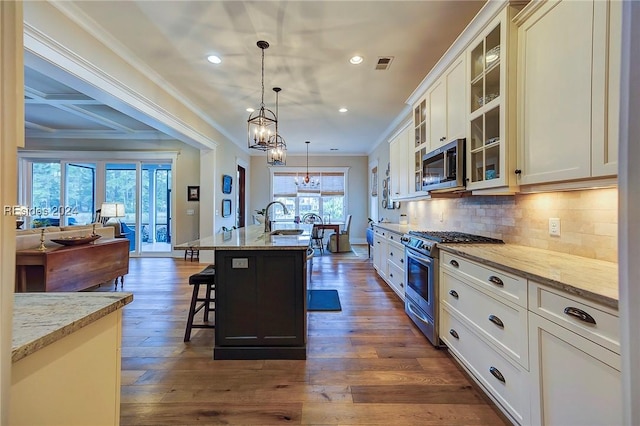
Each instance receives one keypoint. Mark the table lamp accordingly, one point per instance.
(111, 210)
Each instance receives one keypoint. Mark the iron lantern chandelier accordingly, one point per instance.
(262, 122)
(277, 151)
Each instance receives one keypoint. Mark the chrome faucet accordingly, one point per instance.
(267, 221)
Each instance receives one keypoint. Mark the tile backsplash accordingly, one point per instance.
(588, 219)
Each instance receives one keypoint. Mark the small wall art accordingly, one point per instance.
(193, 193)
(226, 184)
(226, 207)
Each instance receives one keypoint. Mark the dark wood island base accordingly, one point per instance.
(261, 304)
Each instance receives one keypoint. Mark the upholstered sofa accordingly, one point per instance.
(30, 238)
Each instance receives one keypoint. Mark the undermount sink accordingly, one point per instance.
(287, 232)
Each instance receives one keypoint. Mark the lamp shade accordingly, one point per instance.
(112, 210)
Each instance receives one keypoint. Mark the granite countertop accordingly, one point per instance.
(394, 227)
(253, 238)
(595, 280)
(40, 319)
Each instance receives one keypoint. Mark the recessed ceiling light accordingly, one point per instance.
(214, 59)
(355, 60)
(250, 109)
(343, 109)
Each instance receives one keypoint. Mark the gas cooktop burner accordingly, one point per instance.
(454, 237)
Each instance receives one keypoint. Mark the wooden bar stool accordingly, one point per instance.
(206, 277)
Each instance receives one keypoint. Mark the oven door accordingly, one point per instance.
(421, 280)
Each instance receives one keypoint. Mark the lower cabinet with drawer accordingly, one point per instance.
(575, 360)
(545, 356)
(388, 259)
(483, 322)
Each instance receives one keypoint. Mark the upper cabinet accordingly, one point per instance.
(491, 144)
(568, 90)
(400, 164)
(447, 112)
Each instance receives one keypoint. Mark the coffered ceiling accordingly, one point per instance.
(310, 46)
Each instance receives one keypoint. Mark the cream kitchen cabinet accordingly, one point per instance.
(380, 248)
(483, 321)
(388, 259)
(575, 360)
(400, 172)
(447, 101)
(395, 265)
(420, 144)
(491, 142)
(568, 94)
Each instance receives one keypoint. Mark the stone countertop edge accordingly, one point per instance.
(253, 237)
(394, 227)
(592, 279)
(40, 319)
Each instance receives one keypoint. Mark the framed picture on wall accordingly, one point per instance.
(193, 193)
(374, 181)
(226, 207)
(226, 184)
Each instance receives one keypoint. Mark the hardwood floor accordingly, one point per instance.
(366, 364)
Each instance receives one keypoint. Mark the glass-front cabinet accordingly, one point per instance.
(421, 144)
(491, 137)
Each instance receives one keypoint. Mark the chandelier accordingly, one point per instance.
(277, 151)
(307, 182)
(261, 123)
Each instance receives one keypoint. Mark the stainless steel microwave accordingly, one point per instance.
(443, 168)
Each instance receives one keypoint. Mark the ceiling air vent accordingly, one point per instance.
(384, 62)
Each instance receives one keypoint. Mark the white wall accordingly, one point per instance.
(357, 185)
(11, 135)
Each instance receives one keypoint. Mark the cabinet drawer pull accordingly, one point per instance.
(453, 293)
(391, 254)
(401, 260)
(391, 275)
(495, 280)
(497, 374)
(454, 333)
(402, 285)
(454, 263)
(497, 321)
(579, 314)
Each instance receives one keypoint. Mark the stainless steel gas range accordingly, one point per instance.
(421, 275)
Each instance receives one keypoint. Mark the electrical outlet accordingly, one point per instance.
(554, 226)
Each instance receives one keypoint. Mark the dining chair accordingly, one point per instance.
(317, 233)
(345, 245)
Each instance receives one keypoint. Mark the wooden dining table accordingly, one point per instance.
(333, 225)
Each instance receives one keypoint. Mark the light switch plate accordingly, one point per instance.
(240, 263)
(554, 226)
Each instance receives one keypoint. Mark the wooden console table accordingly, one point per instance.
(72, 268)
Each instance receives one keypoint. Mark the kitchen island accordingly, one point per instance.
(261, 291)
(66, 358)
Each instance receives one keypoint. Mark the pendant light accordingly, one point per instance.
(262, 122)
(307, 182)
(277, 152)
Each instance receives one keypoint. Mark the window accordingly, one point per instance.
(326, 199)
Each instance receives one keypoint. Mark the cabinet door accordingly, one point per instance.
(574, 381)
(380, 255)
(606, 100)
(456, 100)
(555, 92)
(438, 114)
(398, 148)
